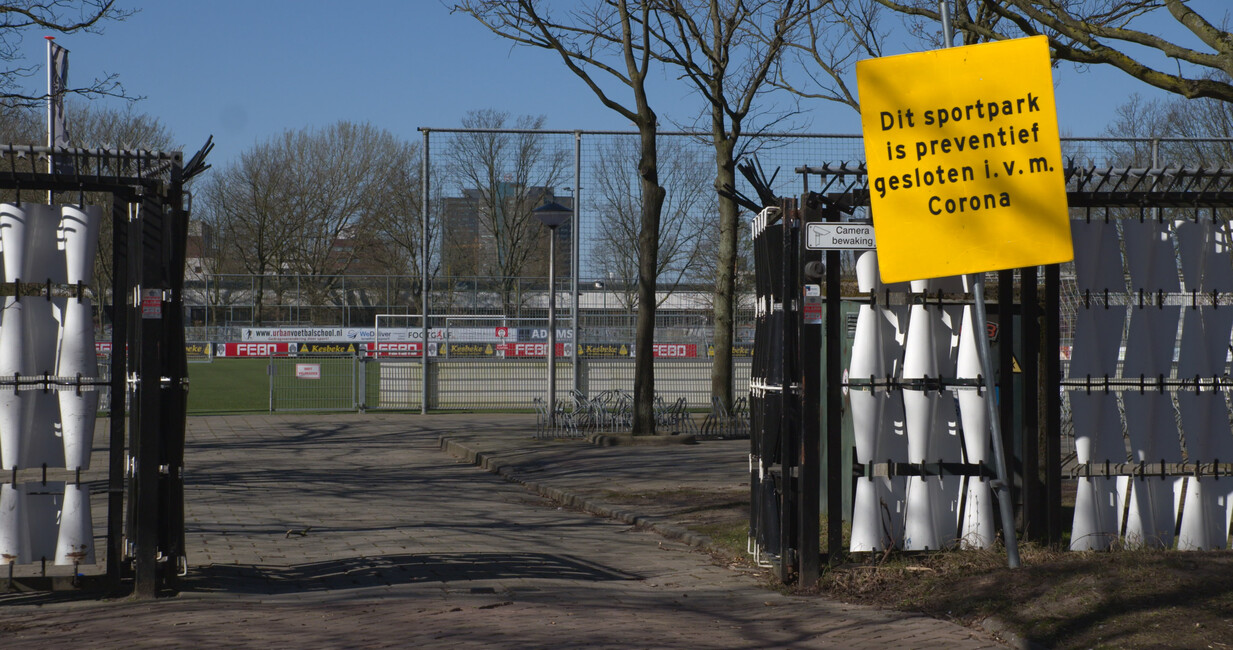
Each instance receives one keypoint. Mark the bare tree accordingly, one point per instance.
(21, 125)
(820, 58)
(247, 205)
(612, 39)
(687, 213)
(729, 51)
(1126, 34)
(306, 202)
(23, 17)
(339, 181)
(400, 224)
(1173, 131)
(502, 176)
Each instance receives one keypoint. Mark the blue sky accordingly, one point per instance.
(246, 71)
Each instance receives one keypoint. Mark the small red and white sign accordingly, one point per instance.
(308, 371)
(502, 332)
(151, 303)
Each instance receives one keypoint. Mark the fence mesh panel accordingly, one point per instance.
(313, 383)
(489, 257)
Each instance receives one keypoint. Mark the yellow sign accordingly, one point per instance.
(964, 160)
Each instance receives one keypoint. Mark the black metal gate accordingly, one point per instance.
(149, 225)
(796, 391)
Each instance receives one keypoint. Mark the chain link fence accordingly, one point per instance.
(358, 382)
(488, 255)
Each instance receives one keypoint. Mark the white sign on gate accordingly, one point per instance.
(308, 371)
(829, 236)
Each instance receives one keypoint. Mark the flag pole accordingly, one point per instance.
(51, 123)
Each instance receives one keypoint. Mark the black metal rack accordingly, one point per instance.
(149, 218)
(1036, 423)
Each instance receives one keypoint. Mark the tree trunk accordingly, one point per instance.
(648, 258)
(259, 302)
(725, 280)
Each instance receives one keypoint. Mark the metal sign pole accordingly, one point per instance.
(1002, 485)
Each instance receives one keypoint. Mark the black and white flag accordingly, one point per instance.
(57, 124)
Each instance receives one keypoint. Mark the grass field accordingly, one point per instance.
(228, 386)
(243, 385)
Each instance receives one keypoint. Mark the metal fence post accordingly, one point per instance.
(269, 371)
(575, 234)
(424, 285)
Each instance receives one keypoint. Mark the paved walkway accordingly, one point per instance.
(360, 531)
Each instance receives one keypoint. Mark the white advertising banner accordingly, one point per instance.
(369, 334)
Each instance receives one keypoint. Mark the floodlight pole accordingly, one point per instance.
(552, 214)
(552, 325)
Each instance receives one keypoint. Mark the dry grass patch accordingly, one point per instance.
(1124, 599)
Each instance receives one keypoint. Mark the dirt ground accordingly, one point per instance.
(1058, 599)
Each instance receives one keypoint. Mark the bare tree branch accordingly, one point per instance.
(17, 17)
(1106, 32)
(611, 37)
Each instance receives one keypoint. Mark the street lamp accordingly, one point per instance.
(552, 214)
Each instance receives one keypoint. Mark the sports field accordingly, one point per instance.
(228, 385)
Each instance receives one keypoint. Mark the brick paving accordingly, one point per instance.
(359, 531)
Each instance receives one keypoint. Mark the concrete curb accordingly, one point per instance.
(501, 468)
(618, 440)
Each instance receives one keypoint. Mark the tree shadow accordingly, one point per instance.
(391, 570)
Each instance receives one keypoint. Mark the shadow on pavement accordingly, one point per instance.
(390, 570)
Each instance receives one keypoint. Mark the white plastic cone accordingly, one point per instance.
(14, 359)
(14, 530)
(1205, 515)
(973, 411)
(866, 522)
(977, 529)
(867, 278)
(1149, 514)
(877, 514)
(75, 542)
(920, 361)
(79, 229)
(75, 356)
(866, 363)
(867, 345)
(13, 221)
(921, 510)
(866, 423)
(920, 524)
(42, 410)
(1095, 523)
